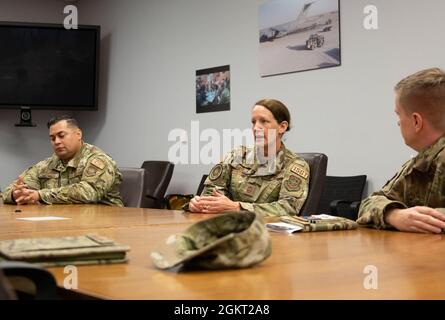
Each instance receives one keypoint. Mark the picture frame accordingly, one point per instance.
(298, 35)
(213, 89)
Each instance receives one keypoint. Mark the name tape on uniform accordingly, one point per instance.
(300, 171)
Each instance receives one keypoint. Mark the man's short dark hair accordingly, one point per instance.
(72, 122)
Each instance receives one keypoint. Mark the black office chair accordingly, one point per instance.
(201, 184)
(30, 277)
(318, 163)
(342, 195)
(132, 187)
(6, 290)
(158, 176)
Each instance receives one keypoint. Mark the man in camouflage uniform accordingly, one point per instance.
(77, 172)
(414, 199)
(266, 179)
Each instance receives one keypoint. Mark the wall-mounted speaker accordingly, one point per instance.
(25, 118)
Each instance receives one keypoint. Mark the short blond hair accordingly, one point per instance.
(424, 92)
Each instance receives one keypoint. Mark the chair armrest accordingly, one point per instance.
(351, 212)
(151, 197)
(46, 286)
(334, 205)
(355, 206)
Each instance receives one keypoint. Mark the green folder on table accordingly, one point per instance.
(62, 251)
(321, 222)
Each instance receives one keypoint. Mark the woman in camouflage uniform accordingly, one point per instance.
(267, 179)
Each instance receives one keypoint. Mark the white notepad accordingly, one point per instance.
(42, 218)
(283, 227)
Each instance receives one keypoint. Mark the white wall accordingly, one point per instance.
(151, 49)
(22, 147)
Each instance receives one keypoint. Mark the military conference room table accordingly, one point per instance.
(318, 265)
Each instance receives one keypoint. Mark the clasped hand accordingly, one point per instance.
(23, 195)
(215, 203)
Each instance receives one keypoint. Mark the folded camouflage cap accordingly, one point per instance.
(231, 240)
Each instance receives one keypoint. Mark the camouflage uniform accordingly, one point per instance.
(90, 177)
(420, 182)
(276, 188)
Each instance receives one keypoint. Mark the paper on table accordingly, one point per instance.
(42, 218)
(283, 227)
(322, 217)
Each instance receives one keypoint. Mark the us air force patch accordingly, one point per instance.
(293, 183)
(300, 171)
(91, 171)
(216, 172)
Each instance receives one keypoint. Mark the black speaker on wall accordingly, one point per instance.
(25, 118)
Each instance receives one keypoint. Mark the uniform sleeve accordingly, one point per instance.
(30, 178)
(220, 176)
(373, 209)
(293, 193)
(97, 180)
(219, 179)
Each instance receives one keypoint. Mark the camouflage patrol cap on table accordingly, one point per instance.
(231, 240)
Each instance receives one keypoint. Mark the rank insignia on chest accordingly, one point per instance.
(250, 190)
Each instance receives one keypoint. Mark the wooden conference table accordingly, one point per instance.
(322, 265)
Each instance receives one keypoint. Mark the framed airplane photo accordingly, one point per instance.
(298, 35)
(213, 89)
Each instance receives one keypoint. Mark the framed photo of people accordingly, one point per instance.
(213, 89)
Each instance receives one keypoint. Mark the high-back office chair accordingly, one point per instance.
(342, 195)
(27, 277)
(158, 176)
(132, 186)
(318, 163)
